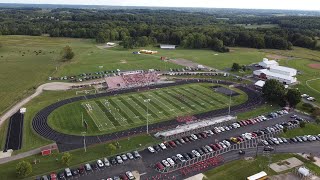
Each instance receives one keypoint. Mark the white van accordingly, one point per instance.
(68, 172)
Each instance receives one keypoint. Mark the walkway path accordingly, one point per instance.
(54, 86)
(26, 154)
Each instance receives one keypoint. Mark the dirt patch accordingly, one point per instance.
(275, 56)
(185, 62)
(105, 46)
(123, 61)
(314, 66)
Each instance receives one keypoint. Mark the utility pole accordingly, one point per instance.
(147, 101)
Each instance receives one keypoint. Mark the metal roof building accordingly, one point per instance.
(195, 127)
(266, 74)
(167, 46)
(266, 63)
(283, 70)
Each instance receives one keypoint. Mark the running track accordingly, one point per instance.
(68, 142)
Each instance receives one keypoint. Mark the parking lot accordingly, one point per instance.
(145, 166)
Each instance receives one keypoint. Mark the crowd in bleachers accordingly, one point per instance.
(140, 79)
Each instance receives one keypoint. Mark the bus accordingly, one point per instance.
(259, 176)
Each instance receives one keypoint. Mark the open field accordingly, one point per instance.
(49, 163)
(241, 169)
(262, 110)
(109, 114)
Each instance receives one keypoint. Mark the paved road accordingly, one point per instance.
(144, 165)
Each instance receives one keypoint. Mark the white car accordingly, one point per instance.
(222, 129)
(119, 160)
(194, 136)
(222, 144)
(196, 153)
(209, 148)
(124, 157)
(165, 163)
(170, 161)
(130, 175)
(163, 147)
(100, 163)
(68, 172)
(106, 162)
(181, 158)
(227, 143)
(210, 132)
(151, 149)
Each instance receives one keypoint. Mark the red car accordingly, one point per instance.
(204, 135)
(218, 146)
(172, 144)
(215, 148)
(159, 166)
(239, 139)
(53, 176)
(123, 177)
(81, 170)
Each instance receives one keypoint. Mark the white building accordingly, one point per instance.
(267, 74)
(266, 63)
(167, 46)
(259, 84)
(283, 70)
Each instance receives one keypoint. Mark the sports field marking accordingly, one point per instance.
(152, 110)
(221, 99)
(307, 83)
(190, 98)
(156, 104)
(138, 108)
(171, 96)
(172, 102)
(125, 109)
(131, 105)
(115, 112)
(185, 100)
(166, 105)
(150, 105)
(99, 118)
(203, 97)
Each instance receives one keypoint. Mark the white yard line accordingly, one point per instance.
(108, 106)
(154, 97)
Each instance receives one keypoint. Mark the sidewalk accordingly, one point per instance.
(26, 154)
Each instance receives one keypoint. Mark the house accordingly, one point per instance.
(283, 70)
(167, 46)
(266, 63)
(267, 74)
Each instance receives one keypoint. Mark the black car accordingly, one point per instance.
(200, 152)
(185, 155)
(242, 152)
(191, 155)
(157, 148)
(61, 175)
(205, 150)
(268, 148)
(94, 166)
(74, 172)
(175, 159)
(113, 161)
(270, 142)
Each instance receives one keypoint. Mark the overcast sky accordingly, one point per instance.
(257, 4)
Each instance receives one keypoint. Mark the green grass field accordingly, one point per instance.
(241, 169)
(110, 114)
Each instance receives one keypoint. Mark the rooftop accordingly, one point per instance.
(283, 68)
(269, 73)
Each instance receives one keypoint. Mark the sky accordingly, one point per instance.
(246, 4)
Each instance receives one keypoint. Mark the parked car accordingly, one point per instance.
(88, 167)
(162, 146)
(130, 175)
(165, 163)
(130, 156)
(119, 160)
(81, 170)
(151, 149)
(136, 154)
(68, 172)
(268, 148)
(181, 158)
(196, 153)
(106, 162)
(170, 161)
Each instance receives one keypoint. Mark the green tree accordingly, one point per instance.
(111, 149)
(235, 67)
(274, 91)
(67, 53)
(23, 169)
(101, 37)
(293, 97)
(66, 158)
(302, 124)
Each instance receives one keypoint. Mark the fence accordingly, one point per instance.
(252, 143)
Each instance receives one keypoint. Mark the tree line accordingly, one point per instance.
(142, 27)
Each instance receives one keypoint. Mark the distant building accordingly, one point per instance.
(283, 70)
(167, 46)
(111, 44)
(267, 74)
(259, 84)
(266, 63)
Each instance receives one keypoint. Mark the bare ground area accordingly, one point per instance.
(185, 62)
(276, 56)
(314, 66)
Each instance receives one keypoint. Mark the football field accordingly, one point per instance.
(120, 112)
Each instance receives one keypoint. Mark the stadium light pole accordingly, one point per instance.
(147, 101)
(230, 98)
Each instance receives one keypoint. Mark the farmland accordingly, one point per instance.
(109, 114)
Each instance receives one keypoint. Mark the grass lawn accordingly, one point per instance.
(309, 129)
(241, 169)
(262, 110)
(51, 164)
(110, 114)
(31, 139)
(3, 134)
